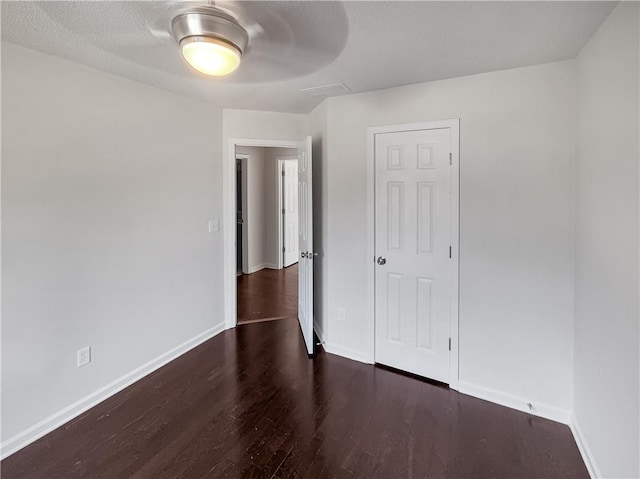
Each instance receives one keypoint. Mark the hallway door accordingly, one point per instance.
(290, 211)
(305, 243)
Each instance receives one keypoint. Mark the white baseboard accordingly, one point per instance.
(583, 447)
(258, 267)
(346, 352)
(516, 402)
(32, 433)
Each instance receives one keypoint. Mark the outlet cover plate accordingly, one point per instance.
(84, 356)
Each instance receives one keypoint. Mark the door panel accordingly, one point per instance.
(424, 313)
(394, 305)
(290, 207)
(395, 215)
(305, 243)
(413, 235)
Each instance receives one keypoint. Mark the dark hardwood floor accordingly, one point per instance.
(268, 294)
(249, 403)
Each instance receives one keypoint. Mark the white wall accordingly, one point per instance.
(516, 261)
(264, 125)
(107, 187)
(606, 398)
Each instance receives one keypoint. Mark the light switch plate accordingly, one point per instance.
(214, 226)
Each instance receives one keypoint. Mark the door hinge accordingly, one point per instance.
(282, 172)
(282, 210)
(283, 249)
(449, 252)
(449, 344)
(450, 159)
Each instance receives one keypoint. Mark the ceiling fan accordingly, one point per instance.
(265, 41)
(281, 38)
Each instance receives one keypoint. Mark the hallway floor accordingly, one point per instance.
(268, 294)
(249, 403)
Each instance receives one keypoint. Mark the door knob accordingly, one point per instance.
(303, 254)
(382, 260)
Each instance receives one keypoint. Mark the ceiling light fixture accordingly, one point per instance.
(211, 40)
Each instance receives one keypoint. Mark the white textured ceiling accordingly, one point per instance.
(295, 45)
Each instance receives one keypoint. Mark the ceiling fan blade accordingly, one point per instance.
(161, 34)
(272, 60)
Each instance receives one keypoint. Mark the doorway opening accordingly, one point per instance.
(266, 233)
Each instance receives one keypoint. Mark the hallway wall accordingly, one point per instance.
(260, 212)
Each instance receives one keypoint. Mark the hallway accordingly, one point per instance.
(268, 294)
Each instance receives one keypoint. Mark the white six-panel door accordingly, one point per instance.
(412, 247)
(305, 243)
(290, 211)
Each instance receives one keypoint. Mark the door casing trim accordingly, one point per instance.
(454, 320)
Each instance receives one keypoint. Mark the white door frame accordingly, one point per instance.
(229, 220)
(454, 125)
(245, 213)
(279, 165)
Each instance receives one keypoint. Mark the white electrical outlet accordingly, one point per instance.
(342, 314)
(84, 356)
